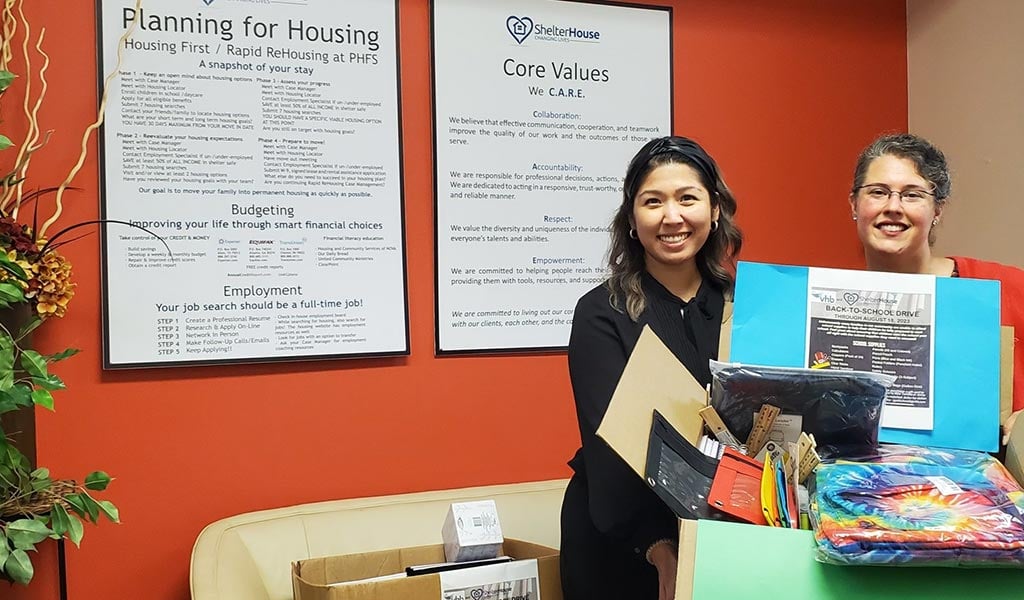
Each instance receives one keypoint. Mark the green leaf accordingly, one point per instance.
(10, 292)
(40, 473)
(92, 508)
(6, 361)
(7, 404)
(34, 363)
(6, 476)
(15, 458)
(110, 511)
(75, 530)
(6, 77)
(19, 567)
(62, 355)
(26, 532)
(43, 398)
(7, 264)
(97, 480)
(60, 520)
(77, 504)
(29, 327)
(20, 395)
(5, 142)
(50, 382)
(5, 550)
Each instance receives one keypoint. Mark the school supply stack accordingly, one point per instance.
(785, 416)
(919, 506)
(763, 426)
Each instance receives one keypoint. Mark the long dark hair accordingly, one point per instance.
(716, 258)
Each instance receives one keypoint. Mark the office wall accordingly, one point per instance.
(776, 91)
(966, 90)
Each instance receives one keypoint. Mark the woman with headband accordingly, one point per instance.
(900, 188)
(673, 245)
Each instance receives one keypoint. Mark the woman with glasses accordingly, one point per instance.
(900, 188)
(673, 244)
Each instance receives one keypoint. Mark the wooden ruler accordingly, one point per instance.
(809, 458)
(717, 427)
(759, 434)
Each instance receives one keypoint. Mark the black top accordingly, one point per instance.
(602, 338)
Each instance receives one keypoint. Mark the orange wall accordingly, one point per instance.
(779, 92)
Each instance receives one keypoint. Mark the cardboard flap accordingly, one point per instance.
(1005, 373)
(725, 337)
(653, 379)
(687, 558)
(1015, 451)
(519, 549)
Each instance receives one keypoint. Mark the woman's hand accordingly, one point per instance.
(664, 557)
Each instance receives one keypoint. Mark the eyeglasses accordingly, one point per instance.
(879, 193)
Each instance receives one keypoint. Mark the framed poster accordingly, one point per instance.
(538, 107)
(261, 143)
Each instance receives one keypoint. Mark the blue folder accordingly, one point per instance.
(770, 327)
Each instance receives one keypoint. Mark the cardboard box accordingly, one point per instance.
(655, 379)
(312, 578)
(471, 531)
(1005, 373)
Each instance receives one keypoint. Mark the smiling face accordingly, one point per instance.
(672, 215)
(889, 227)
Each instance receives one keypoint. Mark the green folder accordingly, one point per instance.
(748, 561)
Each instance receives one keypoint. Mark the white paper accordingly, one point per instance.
(539, 105)
(377, 579)
(517, 580)
(945, 485)
(261, 141)
(879, 322)
(785, 429)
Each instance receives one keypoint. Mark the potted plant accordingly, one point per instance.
(35, 286)
(34, 506)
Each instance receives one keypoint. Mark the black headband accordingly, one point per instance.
(688, 150)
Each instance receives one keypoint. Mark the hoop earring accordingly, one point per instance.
(632, 234)
(714, 226)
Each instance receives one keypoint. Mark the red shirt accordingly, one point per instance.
(1012, 284)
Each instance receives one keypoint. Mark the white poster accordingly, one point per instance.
(260, 140)
(539, 105)
(517, 580)
(878, 322)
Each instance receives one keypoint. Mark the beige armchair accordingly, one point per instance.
(248, 556)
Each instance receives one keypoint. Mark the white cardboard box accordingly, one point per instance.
(471, 531)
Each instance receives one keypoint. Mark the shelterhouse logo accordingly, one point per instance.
(519, 27)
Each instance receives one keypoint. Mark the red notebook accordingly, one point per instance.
(736, 489)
